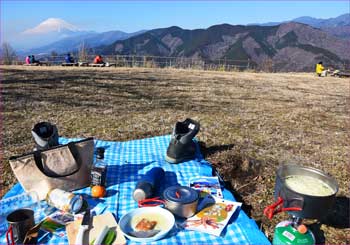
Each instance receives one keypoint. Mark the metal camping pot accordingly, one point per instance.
(311, 206)
(181, 200)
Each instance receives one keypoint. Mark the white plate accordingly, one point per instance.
(165, 222)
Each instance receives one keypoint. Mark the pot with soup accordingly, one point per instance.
(306, 188)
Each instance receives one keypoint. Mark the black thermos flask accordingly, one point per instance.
(146, 187)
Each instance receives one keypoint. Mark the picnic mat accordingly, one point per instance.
(129, 161)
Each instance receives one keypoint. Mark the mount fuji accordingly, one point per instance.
(60, 36)
(52, 25)
(48, 31)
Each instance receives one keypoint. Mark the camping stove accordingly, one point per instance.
(292, 231)
(300, 203)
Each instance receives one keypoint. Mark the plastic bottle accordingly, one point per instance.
(286, 233)
(99, 169)
(146, 187)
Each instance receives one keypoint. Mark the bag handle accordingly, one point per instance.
(73, 150)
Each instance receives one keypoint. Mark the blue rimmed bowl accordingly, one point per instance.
(164, 218)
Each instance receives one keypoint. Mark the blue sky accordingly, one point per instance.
(17, 16)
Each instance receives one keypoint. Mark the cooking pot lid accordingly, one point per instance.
(180, 194)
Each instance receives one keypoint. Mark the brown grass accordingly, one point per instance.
(250, 122)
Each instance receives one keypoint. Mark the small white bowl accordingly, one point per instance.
(165, 222)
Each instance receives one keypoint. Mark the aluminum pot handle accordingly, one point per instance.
(150, 202)
(277, 207)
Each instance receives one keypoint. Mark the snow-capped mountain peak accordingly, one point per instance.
(52, 25)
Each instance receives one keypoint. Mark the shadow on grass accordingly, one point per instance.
(239, 169)
(208, 151)
(318, 233)
(338, 217)
(239, 198)
(87, 90)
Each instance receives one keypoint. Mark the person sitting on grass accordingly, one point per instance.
(320, 70)
(33, 60)
(98, 60)
(28, 59)
(69, 58)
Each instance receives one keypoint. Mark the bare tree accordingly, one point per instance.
(83, 52)
(267, 65)
(8, 54)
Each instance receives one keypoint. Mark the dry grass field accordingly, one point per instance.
(250, 123)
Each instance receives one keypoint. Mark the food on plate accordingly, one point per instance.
(145, 225)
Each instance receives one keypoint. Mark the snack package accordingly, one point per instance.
(56, 222)
(206, 185)
(213, 219)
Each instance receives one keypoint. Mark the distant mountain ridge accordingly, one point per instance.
(55, 34)
(338, 26)
(90, 40)
(290, 46)
(342, 20)
(48, 31)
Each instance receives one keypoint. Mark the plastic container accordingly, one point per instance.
(64, 200)
(26, 200)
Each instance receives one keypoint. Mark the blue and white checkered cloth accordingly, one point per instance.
(129, 161)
